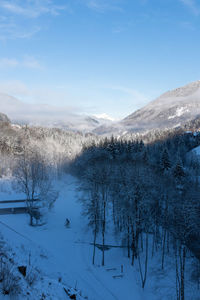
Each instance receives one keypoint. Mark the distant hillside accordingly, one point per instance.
(172, 109)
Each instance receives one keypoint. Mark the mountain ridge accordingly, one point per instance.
(172, 109)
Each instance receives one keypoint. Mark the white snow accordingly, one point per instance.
(63, 252)
(104, 116)
(68, 251)
(196, 150)
(179, 112)
(184, 91)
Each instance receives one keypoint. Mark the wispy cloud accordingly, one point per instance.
(31, 62)
(137, 96)
(192, 5)
(39, 95)
(103, 5)
(11, 29)
(31, 9)
(14, 13)
(8, 63)
(27, 62)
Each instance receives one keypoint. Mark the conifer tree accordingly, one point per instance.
(165, 161)
(178, 170)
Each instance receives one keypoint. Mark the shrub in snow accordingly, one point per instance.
(32, 276)
(9, 282)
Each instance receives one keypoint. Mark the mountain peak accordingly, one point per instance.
(104, 116)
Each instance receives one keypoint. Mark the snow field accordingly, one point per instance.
(65, 254)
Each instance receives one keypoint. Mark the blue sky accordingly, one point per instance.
(98, 56)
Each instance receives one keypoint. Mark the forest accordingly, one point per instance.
(149, 195)
(143, 189)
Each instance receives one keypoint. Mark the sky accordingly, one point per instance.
(97, 56)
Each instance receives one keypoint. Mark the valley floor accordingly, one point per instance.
(66, 253)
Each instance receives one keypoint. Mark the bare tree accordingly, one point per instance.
(91, 202)
(33, 179)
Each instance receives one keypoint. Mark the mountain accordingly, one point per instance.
(172, 109)
(47, 115)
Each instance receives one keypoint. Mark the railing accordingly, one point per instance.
(14, 210)
(16, 201)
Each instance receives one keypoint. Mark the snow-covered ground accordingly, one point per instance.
(196, 150)
(66, 253)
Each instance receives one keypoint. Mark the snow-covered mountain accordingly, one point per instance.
(172, 109)
(47, 115)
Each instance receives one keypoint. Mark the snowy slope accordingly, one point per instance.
(196, 151)
(172, 109)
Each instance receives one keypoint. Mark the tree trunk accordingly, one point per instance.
(94, 248)
(128, 240)
(133, 246)
(141, 241)
(136, 241)
(163, 248)
(144, 277)
(182, 267)
(103, 232)
(177, 276)
(156, 237)
(31, 219)
(113, 209)
(168, 241)
(153, 244)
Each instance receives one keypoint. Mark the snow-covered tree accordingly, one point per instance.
(33, 179)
